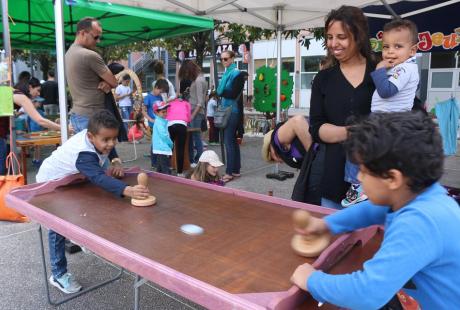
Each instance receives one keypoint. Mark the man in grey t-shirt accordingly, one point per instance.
(88, 77)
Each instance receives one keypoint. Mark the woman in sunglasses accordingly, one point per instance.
(230, 89)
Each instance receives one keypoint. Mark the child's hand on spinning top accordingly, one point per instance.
(301, 275)
(136, 191)
(316, 226)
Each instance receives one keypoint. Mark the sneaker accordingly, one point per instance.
(181, 175)
(193, 165)
(66, 283)
(354, 195)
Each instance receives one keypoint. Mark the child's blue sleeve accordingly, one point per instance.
(88, 164)
(384, 87)
(164, 132)
(409, 245)
(363, 214)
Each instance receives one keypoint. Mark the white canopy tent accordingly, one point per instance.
(277, 15)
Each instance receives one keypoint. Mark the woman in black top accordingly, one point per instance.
(340, 92)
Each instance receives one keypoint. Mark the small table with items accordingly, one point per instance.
(38, 138)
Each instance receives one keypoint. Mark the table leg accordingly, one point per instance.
(137, 284)
(89, 289)
(24, 163)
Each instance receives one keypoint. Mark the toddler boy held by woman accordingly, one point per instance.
(396, 80)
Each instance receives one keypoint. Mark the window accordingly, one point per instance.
(442, 79)
(310, 63)
(309, 66)
(443, 60)
(258, 63)
(242, 66)
(306, 80)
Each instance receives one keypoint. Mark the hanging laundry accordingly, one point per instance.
(448, 114)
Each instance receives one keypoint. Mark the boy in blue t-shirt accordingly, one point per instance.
(161, 87)
(400, 158)
(85, 153)
(162, 144)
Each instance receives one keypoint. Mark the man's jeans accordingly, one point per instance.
(79, 122)
(232, 148)
(125, 114)
(58, 260)
(195, 142)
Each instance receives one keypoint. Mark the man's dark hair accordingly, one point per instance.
(102, 119)
(399, 24)
(24, 77)
(163, 85)
(51, 73)
(126, 77)
(159, 68)
(86, 24)
(405, 141)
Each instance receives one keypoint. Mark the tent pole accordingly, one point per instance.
(216, 83)
(390, 9)
(7, 48)
(60, 50)
(278, 66)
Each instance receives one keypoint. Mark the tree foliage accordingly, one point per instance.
(45, 59)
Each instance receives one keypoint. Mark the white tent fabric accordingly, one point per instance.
(277, 15)
(296, 14)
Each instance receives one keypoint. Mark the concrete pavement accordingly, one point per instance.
(21, 283)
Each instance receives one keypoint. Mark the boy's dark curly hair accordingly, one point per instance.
(405, 141)
(102, 119)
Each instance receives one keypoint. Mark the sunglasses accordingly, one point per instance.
(224, 59)
(95, 37)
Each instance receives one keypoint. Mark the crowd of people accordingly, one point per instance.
(378, 162)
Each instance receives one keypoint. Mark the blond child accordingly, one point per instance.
(207, 169)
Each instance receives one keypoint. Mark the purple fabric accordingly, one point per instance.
(293, 151)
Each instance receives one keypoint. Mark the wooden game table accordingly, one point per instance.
(34, 139)
(243, 260)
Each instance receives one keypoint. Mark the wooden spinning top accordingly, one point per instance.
(311, 245)
(143, 179)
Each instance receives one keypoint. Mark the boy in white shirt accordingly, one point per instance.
(85, 153)
(123, 96)
(396, 80)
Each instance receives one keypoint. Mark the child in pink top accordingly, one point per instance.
(179, 114)
(179, 110)
(137, 131)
